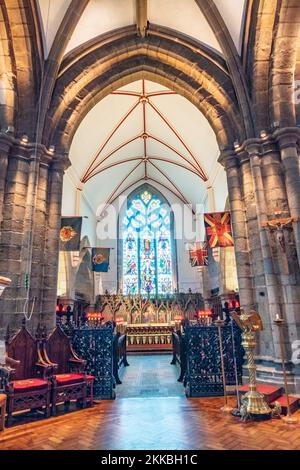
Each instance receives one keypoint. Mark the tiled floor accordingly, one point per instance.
(150, 376)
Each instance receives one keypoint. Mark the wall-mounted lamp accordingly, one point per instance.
(236, 145)
(52, 149)
(24, 139)
(263, 134)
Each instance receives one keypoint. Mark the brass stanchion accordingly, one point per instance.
(289, 419)
(253, 403)
(226, 407)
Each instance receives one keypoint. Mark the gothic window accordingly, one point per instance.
(147, 246)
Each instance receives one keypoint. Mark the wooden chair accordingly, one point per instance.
(31, 386)
(2, 411)
(70, 381)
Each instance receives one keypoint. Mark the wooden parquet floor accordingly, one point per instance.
(152, 423)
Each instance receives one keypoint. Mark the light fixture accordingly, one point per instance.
(52, 149)
(236, 145)
(263, 134)
(24, 139)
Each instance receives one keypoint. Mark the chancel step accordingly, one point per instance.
(293, 401)
(271, 392)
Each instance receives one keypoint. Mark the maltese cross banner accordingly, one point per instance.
(218, 229)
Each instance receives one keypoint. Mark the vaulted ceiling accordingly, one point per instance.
(140, 132)
(101, 16)
(144, 131)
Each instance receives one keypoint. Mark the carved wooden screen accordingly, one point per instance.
(203, 373)
(95, 345)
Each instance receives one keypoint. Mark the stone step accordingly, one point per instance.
(294, 403)
(271, 392)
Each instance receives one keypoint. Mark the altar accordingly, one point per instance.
(149, 321)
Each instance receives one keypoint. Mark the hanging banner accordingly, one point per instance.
(100, 260)
(218, 229)
(70, 233)
(199, 256)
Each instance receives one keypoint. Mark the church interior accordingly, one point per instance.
(149, 225)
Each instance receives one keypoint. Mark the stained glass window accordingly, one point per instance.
(147, 246)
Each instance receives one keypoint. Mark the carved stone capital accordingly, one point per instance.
(287, 137)
(60, 163)
(229, 159)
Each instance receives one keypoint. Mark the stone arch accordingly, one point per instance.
(118, 58)
(22, 45)
(261, 19)
(283, 64)
(271, 56)
(7, 77)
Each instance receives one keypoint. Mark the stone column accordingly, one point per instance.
(237, 208)
(56, 173)
(11, 242)
(6, 142)
(288, 140)
(35, 229)
(272, 285)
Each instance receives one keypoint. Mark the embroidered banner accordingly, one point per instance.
(70, 233)
(218, 229)
(199, 255)
(100, 260)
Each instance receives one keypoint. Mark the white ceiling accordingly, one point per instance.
(101, 16)
(195, 138)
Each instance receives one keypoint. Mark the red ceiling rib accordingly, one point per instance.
(150, 178)
(175, 151)
(170, 181)
(181, 165)
(193, 166)
(155, 108)
(122, 120)
(161, 93)
(126, 93)
(149, 158)
(117, 163)
(123, 181)
(116, 149)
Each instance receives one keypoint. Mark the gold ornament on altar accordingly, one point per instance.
(253, 403)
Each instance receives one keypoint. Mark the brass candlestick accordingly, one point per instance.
(253, 403)
(289, 419)
(226, 407)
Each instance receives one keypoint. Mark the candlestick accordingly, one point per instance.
(254, 404)
(226, 407)
(288, 419)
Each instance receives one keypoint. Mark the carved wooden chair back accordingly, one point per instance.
(60, 350)
(22, 348)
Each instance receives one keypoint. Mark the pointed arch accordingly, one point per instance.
(147, 258)
(119, 57)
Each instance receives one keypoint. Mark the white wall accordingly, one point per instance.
(85, 210)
